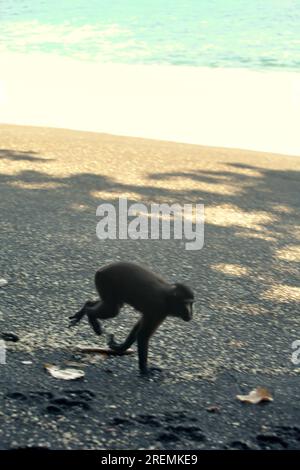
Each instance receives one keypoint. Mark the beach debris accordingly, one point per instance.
(3, 282)
(108, 351)
(64, 374)
(213, 409)
(236, 344)
(74, 364)
(9, 337)
(257, 395)
(26, 363)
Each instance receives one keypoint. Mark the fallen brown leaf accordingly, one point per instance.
(257, 395)
(236, 344)
(108, 351)
(74, 364)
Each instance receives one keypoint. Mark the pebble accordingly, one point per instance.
(3, 282)
(9, 337)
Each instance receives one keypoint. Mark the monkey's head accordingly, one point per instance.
(181, 301)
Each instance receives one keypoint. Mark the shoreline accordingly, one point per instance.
(231, 108)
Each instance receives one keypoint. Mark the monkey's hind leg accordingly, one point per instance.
(95, 324)
(101, 310)
(122, 347)
(76, 318)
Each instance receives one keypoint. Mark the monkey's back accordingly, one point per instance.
(125, 282)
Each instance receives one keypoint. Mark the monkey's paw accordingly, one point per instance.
(117, 348)
(111, 341)
(151, 372)
(74, 321)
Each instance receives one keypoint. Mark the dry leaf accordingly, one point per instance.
(108, 351)
(94, 358)
(65, 374)
(256, 396)
(74, 364)
(236, 344)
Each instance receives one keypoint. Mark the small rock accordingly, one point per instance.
(213, 409)
(3, 282)
(239, 445)
(9, 337)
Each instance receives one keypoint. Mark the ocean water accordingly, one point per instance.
(256, 34)
(212, 72)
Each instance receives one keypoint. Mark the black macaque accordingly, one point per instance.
(152, 296)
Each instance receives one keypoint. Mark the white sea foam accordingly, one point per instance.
(36, 33)
(219, 107)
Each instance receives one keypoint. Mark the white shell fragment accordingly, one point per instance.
(256, 396)
(3, 282)
(64, 374)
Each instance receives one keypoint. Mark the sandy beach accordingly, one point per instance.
(246, 280)
(196, 105)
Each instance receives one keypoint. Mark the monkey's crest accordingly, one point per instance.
(183, 291)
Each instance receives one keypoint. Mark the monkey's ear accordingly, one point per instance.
(175, 289)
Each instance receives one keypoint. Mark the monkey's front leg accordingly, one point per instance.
(146, 331)
(122, 347)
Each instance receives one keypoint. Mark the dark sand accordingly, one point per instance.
(246, 280)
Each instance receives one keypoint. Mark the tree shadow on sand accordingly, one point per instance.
(28, 156)
(247, 272)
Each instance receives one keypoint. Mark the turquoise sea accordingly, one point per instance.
(253, 34)
(214, 72)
